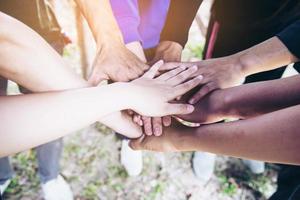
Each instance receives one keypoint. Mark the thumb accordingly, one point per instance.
(179, 109)
(136, 144)
(95, 79)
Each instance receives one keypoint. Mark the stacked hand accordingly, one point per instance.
(217, 73)
(116, 63)
(167, 51)
(152, 95)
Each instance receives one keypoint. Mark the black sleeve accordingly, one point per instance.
(290, 37)
(179, 20)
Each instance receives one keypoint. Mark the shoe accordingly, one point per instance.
(256, 167)
(203, 165)
(4, 186)
(57, 189)
(132, 160)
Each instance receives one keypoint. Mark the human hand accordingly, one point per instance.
(217, 73)
(152, 125)
(161, 90)
(210, 109)
(169, 141)
(124, 125)
(116, 63)
(168, 51)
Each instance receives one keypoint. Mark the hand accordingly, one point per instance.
(124, 124)
(217, 73)
(116, 63)
(168, 51)
(152, 125)
(158, 92)
(210, 109)
(169, 141)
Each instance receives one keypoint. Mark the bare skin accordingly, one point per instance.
(246, 101)
(167, 51)
(230, 71)
(40, 68)
(261, 138)
(113, 60)
(269, 131)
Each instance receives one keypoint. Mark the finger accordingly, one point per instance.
(179, 109)
(157, 126)
(204, 90)
(185, 87)
(95, 79)
(167, 120)
(178, 98)
(144, 66)
(137, 120)
(137, 143)
(183, 76)
(140, 121)
(130, 112)
(172, 65)
(147, 125)
(170, 74)
(153, 70)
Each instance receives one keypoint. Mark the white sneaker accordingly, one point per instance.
(57, 189)
(132, 160)
(203, 165)
(256, 167)
(4, 186)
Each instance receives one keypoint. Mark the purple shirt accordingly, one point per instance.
(141, 20)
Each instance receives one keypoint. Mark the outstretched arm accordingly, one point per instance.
(39, 68)
(230, 71)
(272, 137)
(246, 101)
(67, 111)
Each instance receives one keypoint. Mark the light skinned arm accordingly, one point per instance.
(44, 117)
(11, 43)
(273, 137)
(39, 68)
(112, 55)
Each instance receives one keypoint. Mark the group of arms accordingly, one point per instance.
(262, 135)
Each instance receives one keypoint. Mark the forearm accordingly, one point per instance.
(28, 60)
(273, 137)
(44, 117)
(101, 20)
(246, 101)
(265, 56)
(255, 99)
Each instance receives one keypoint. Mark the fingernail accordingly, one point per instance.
(194, 67)
(182, 67)
(192, 101)
(190, 108)
(200, 77)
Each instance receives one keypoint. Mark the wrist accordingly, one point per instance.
(121, 89)
(170, 44)
(109, 41)
(220, 104)
(246, 63)
(130, 93)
